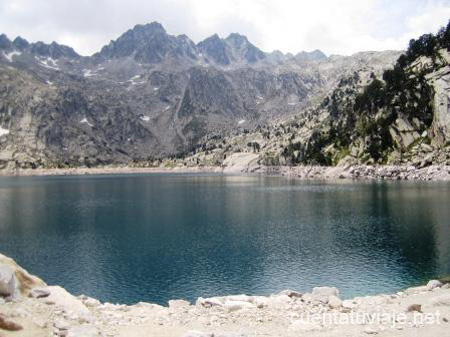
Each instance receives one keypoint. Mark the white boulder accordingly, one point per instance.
(8, 281)
(433, 284)
(24, 282)
(322, 294)
(68, 302)
(334, 302)
(39, 293)
(209, 302)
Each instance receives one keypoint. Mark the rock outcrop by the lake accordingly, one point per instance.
(246, 165)
(39, 310)
(364, 172)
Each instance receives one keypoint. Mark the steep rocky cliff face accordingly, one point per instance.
(150, 95)
(399, 117)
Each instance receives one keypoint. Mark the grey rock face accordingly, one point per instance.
(53, 50)
(244, 48)
(20, 43)
(315, 55)
(441, 122)
(148, 95)
(148, 44)
(215, 48)
(5, 43)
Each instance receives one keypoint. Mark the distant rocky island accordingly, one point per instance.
(153, 100)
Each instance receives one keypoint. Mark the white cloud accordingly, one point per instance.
(336, 27)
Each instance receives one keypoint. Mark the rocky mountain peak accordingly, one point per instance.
(5, 42)
(234, 48)
(278, 57)
(216, 49)
(315, 55)
(20, 43)
(142, 32)
(243, 49)
(148, 43)
(53, 50)
(152, 27)
(237, 40)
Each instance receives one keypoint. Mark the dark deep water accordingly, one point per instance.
(159, 237)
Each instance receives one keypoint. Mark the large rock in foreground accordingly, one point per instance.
(15, 280)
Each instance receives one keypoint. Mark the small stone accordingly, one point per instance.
(62, 333)
(414, 308)
(91, 302)
(39, 293)
(370, 331)
(208, 302)
(433, 284)
(9, 325)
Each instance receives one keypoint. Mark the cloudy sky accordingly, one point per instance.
(334, 26)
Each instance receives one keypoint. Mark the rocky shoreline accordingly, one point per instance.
(105, 170)
(356, 172)
(364, 172)
(28, 307)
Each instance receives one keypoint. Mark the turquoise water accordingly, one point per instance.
(157, 237)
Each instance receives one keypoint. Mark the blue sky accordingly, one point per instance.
(334, 26)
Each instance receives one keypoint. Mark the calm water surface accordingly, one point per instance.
(158, 237)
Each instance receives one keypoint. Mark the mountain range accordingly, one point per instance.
(149, 95)
(397, 116)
